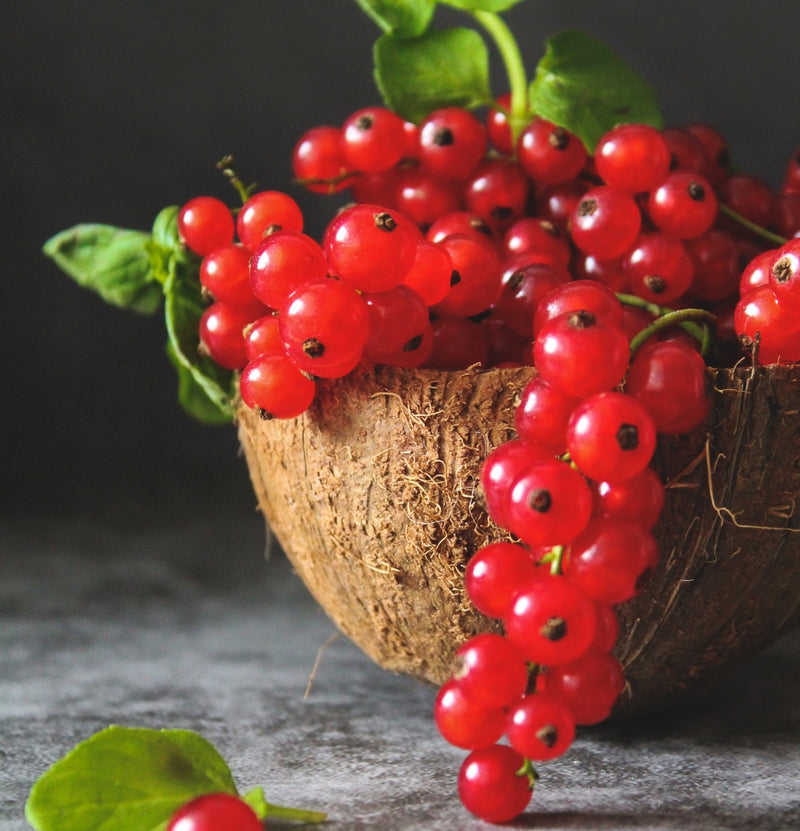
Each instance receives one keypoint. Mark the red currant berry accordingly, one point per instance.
(498, 128)
(658, 268)
(431, 273)
(495, 573)
(262, 337)
(317, 160)
(205, 223)
(475, 280)
(221, 330)
(638, 499)
(784, 275)
(490, 670)
(550, 154)
(549, 504)
(398, 319)
(581, 353)
(759, 317)
(266, 211)
(281, 263)
(324, 326)
(611, 437)
(551, 621)
(717, 268)
(687, 152)
(632, 157)
(669, 378)
(272, 385)
(502, 466)
(369, 247)
(225, 275)
(543, 413)
(611, 273)
(497, 192)
(753, 199)
(589, 685)
(214, 812)
(493, 785)
(684, 204)
(605, 222)
(373, 139)
(539, 239)
(423, 197)
(578, 296)
(756, 272)
(525, 284)
(611, 560)
(556, 203)
(540, 727)
(717, 151)
(462, 222)
(452, 142)
(465, 723)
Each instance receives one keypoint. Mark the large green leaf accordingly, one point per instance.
(584, 86)
(441, 68)
(113, 262)
(126, 778)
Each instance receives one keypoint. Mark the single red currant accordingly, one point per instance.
(550, 154)
(452, 142)
(266, 211)
(684, 204)
(214, 812)
(495, 573)
(540, 727)
(490, 670)
(317, 160)
(282, 262)
(611, 437)
(205, 223)
(493, 784)
(658, 268)
(497, 192)
(475, 280)
(633, 157)
(431, 273)
(605, 222)
(639, 499)
(465, 723)
(225, 275)
(221, 330)
(373, 139)
(273, 386)
(370, 248)
(551, 621)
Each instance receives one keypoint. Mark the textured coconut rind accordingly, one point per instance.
(374, 495)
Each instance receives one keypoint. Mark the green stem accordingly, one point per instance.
(672, 318)
(507, 46)
(766, 234)
(293, 814)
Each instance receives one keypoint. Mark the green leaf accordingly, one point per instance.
(112, 262)
(482, 5)
(404, 18)
(205, 389)
(584, 86)
(126, 779)
(441, 68)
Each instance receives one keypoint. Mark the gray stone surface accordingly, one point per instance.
(145, 621)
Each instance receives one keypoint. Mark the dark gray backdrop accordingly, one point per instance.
(112, 110)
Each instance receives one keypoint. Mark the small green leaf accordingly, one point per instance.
(112, 262)
(584, 86)
(404, 18)
(126, 779)
(204, 387)
(441, 68)
(482, 5)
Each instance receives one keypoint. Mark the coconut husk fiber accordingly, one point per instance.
(374, 496)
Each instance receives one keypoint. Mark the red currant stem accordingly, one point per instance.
(245, 192)
(528, 770)
(519, 113)
(671, 318)
(768, 235)
(700, 333)
(293, 814)
(554, 557)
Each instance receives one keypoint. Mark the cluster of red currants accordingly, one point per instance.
(462, 248)
(577, 494)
